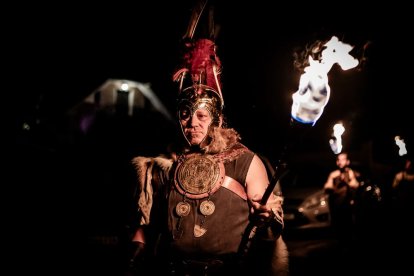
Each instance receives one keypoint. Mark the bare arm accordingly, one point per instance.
(329, 182)
(397, 180)
(139, 235)
(257, 181)
(353, 181)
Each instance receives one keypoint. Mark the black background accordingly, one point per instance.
(62, 52)
(70, 51)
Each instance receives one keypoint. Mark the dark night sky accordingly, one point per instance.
(73, 50)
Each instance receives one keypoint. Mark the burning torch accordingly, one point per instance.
(402, 150)
(309, 102)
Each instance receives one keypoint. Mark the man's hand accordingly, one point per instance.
(269, 213)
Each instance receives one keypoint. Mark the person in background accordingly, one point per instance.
(403, 192)
(341, 187)
(400, 229)
(404, 177)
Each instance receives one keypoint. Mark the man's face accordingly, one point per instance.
(195, 126)
(342, 161)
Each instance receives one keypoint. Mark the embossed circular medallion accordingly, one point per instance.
(198, 174)
(183, 209)
(207, 207)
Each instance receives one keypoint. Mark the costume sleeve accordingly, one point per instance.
(149, 171)
(144, 167)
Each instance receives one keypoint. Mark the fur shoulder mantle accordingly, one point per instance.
(144, 167)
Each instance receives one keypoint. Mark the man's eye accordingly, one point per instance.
(184, 114)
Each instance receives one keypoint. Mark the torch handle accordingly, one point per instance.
(280, 171)
(296, 131)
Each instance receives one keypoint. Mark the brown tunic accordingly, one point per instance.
(224, 227)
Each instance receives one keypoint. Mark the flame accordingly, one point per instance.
(401, 145)
(314, 91)
(336, 141)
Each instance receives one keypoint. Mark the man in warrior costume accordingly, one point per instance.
(194, 205)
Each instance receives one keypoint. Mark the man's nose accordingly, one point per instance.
(193, 120)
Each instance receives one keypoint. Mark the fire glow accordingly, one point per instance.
(314, 91)
(336, 141)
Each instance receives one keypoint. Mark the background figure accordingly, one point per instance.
(401, 225)
(341, 186)
(403, 193)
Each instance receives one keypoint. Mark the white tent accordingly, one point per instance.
(131, 94)
(118, 97)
